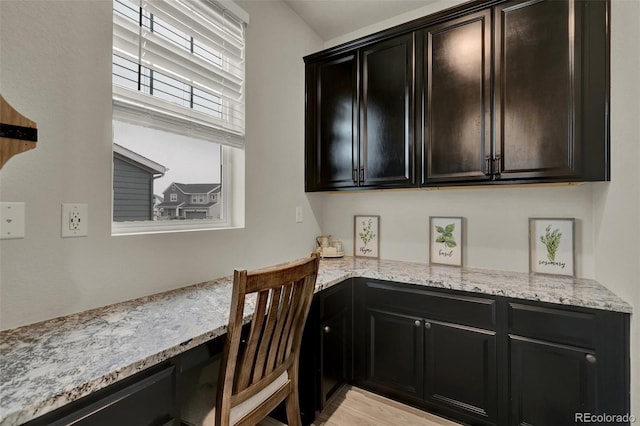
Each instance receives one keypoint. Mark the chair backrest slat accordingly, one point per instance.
(267, 334)
(248, 357)
(284, 316)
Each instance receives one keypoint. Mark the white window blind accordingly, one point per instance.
(179, 65)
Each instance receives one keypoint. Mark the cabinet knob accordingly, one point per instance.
(591, 358)
(417, 323)
(327, 329)
(427, 325)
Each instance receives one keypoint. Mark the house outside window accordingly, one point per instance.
(178, 97)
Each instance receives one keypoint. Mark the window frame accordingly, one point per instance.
(232, 164)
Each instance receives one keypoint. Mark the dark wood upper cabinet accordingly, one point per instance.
(486, 92)
(455, 93)
(551, 90)
(537, 67)
(386, 114)
(332, 123)
(359, 118)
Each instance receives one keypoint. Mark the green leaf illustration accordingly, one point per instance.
(446, 235)
(551, 240)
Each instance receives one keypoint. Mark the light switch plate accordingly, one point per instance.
(11, 221)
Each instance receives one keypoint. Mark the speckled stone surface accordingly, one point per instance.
(46, 365)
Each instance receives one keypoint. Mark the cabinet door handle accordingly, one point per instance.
(355, 175)
(591, 358)
(489, 169)
(497, 166)
(362, 174)
(427, 325)
(327, 329)
(417, 323)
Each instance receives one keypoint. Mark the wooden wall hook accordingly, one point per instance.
(17, 133)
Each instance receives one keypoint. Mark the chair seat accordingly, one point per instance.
(245, 407)
(201, 411)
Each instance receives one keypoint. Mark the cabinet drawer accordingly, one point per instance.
(432, 304)
(554, 323)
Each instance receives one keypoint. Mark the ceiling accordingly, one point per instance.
(333, 18)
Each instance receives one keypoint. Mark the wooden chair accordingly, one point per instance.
(256, 377)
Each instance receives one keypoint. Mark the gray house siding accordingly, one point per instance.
(132, 192)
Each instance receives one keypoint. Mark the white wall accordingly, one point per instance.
(608, 226)
(55, 68)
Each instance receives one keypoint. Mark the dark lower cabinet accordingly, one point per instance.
(489, 360)
(460, 370)
(147, 398)
(394, 353)
(335, 349)
(565, 361)
(412, 350)
(326, 352)
(550, 383)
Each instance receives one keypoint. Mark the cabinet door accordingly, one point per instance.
(394, 353)
(537, 67)
(386, 146)
(455, 85)
(335, 339)
(332, 131)
(550, 383)
(336, 354)
(460, 370)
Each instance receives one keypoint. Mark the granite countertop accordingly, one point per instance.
(49, 364)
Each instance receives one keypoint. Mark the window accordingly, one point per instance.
(178, 110)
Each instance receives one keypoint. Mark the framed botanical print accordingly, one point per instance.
(552, 246)
(366, 238)
(445, 240)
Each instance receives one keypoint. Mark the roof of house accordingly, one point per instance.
(195, 188)
(137, 159)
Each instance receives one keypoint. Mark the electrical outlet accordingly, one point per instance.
(11, 221)
(298, 214)
(75, 220)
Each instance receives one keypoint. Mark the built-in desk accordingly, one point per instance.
(49, 364)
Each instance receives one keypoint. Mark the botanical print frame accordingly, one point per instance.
(445, 240)
(552, 246)
(366, 236)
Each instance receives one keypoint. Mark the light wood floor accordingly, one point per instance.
(357, 407)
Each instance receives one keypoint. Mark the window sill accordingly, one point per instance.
(169, 226)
